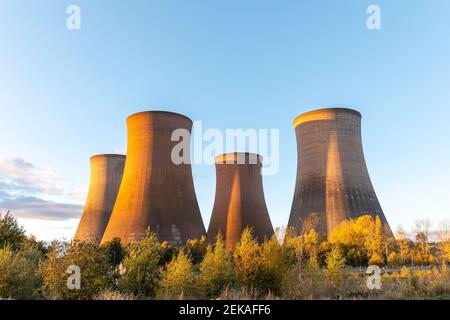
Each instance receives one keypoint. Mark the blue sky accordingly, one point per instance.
(64, 95)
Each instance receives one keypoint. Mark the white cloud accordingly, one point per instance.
(18, 176)
(24, 187)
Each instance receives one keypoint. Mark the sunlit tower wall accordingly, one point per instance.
(106, 176)
(239, 200)
(155, 192)
(333, 183)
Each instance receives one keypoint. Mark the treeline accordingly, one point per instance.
(291, 265)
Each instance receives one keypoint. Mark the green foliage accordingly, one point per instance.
(93, 261)
(216, 270)
(196, 249)
(115, 251)
(11, 234)
(177, 279)
(140, 267)
(292, 266)
(18, 276)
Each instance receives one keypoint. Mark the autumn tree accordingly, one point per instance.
(177, 279)
(216, 270)
(247, 260)
(275, 261)
(92, 261)
(140, 266)
(196, 249)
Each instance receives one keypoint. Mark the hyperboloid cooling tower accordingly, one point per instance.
(239, 201)
(106, 175)
(332, 178)
(155, 192)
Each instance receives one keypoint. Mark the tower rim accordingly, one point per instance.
(162, 112)
(309, 115)
(232, 156)
(107, 155)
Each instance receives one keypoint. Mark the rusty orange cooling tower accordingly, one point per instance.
(332, 178)
(106, 175)
(239, 199)
(155, 192)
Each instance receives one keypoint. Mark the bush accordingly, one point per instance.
(140, 269)
(216, 270)
(177, 279)
(275, 261)
(95, 271)
(247, 262)
(18, 276)
(196, 249)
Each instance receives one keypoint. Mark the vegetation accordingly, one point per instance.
(290, 265)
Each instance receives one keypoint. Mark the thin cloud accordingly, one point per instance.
(36, 208)
(21, 177)
(23, 186)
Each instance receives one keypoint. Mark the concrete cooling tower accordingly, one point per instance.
(332, 178)
(239, 201)
(155, 192)
(106, 176)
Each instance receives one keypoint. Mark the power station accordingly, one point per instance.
(239, 200)
(155, 192)
(149, 188)
(106, 176)
(332, 177)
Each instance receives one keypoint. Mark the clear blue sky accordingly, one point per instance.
(64, 95)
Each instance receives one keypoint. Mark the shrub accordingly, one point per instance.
(18, 277)
(247, 262)
(216, 271)
(196, 249)
(140, 268)
(177, 279)
(95, 270)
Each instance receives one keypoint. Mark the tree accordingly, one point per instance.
(95, 274)
(311, 244)
(247, 260)
(335, 263)
(140, 267)
(196, 249)
(177, 279)
(274, 264)
(216, 270)
(376, 244)
(115, 251)
(18, 276)
(11, 234)
(361, 240)
(444, 231)
(404, 246)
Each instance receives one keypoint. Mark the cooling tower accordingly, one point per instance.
(332, 178)
(239, 201)
(106, 175)
(155, 192)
